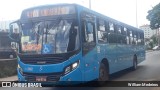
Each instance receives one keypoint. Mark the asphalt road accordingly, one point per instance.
(148, 70)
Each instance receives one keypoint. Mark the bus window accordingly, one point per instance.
(89, 33)
(128, 35)
(107, 26)
(139, 39)
(111, 27)
(134, 38)
(120, 37)
(112, 38)
(88, 39)
(142, 38)
(102, 34)
(119, 30)
(124, 35)
(131, 37)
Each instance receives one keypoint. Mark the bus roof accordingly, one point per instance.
(110, 19)
(88, 10)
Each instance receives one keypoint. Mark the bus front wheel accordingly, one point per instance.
(103, 73)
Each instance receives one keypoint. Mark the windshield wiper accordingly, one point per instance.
(46, 30)
(38, 35)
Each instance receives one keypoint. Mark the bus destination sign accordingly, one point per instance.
(49, 11)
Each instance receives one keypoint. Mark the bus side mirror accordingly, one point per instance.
(11, 29)
(13, 36)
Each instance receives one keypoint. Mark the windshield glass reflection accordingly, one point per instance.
(50, 37)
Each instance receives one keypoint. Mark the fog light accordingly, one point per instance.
(67, 70)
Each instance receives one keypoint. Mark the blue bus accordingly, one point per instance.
(68, 42)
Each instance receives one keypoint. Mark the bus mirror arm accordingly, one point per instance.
(13, 36)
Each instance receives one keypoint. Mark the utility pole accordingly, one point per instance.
(158, 36)
(136, 16)
(89, 4)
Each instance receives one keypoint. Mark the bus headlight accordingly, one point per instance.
(74, 65)
(20, 69)
(18, 66)
(71, 67)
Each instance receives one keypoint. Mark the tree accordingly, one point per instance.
(154, 39)
(154, 17)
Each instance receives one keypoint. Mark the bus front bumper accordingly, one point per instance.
(73, 76)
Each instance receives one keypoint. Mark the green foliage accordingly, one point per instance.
(151, 45)
(154, 39)
(154, 17)
(151, 42)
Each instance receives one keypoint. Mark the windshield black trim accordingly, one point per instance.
(45, 18)
(52, 58)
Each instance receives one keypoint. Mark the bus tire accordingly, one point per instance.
(134, 63)
(103, 74)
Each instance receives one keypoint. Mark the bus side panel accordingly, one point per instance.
(90, 65)
(140, 53)
(119, 57)
(111, 55)
(124, 56)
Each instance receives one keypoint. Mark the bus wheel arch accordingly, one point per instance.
(103, 70)
(135, 62)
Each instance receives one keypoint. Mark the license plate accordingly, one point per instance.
(41, 78)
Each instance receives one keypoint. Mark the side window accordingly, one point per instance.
(135, 38)
(112, 38)
(131, 37)
(119, 29)
(89, 32)
(128, 36)
(124, 33)
(102, 34)
(111, 27)
(88, 35)
(139, 39)
(120, 38)
(142, 38)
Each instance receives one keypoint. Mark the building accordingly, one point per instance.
(4, 25)
(148, 32)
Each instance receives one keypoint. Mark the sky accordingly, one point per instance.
(122, 10)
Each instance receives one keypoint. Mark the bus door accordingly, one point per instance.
(89, 48)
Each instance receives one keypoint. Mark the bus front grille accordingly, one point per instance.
(50, 77)
(42, 61)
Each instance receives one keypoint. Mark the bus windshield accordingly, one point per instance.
(50, 37)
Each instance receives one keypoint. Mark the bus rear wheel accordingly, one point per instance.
(103, 74)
